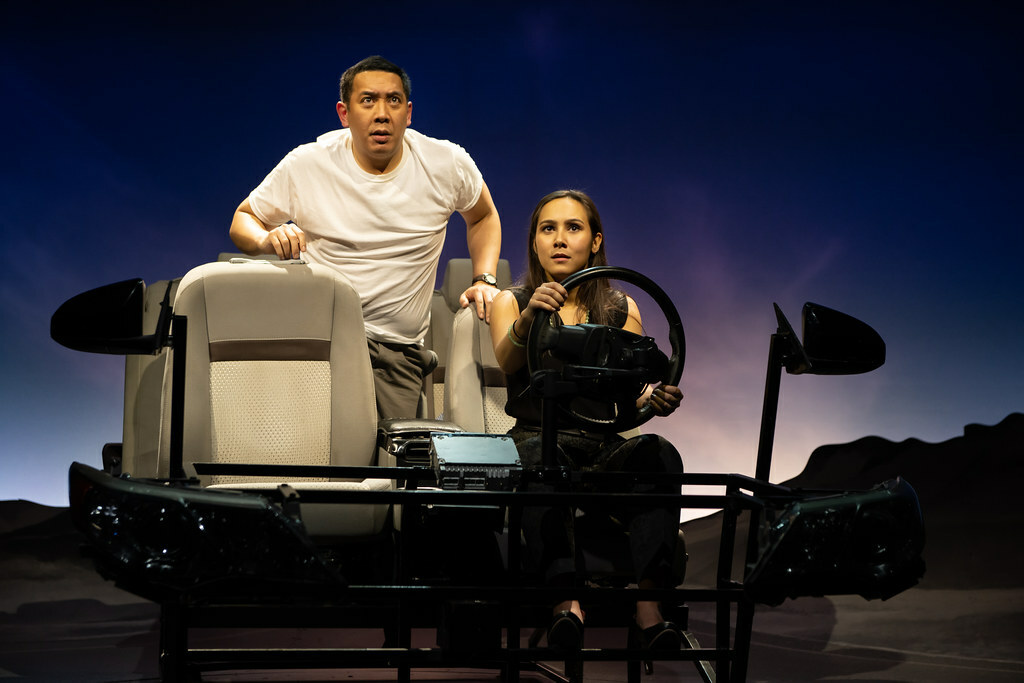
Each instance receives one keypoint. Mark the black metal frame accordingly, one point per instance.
(732, 642)
(394, 603)
(347, 605)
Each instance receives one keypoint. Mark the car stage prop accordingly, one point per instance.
(224, 535)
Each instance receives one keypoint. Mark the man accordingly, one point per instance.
(373, 200)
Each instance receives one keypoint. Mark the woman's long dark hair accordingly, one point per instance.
(595, 296)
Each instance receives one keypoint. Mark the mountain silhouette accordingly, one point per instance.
(968, 488)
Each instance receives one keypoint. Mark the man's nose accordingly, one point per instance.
(380, 111)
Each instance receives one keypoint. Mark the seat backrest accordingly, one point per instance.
(277, 369)
(458, 275)
(474, 388)
(143, 386)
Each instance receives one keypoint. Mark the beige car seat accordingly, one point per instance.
(277, 371)
(474, 393)
(143, 386)
(458, 275)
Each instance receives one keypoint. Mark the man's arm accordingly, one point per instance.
(252, 237)
(483, 236)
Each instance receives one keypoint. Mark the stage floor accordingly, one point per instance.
(69, 625)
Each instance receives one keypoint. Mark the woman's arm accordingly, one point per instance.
(504, 312)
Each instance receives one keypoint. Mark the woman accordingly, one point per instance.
(566, 236)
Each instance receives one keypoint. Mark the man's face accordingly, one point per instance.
(378, 114)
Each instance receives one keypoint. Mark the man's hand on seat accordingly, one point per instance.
(482, 295)
(252, 237)
(287, 241)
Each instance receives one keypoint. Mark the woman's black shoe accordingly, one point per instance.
(565, 631)
(663, 636)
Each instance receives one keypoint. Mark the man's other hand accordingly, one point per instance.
(482, 295)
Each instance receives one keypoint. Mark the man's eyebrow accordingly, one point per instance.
(377, 93)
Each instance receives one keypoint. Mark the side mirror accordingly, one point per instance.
(838, 344)
(107, 319)
(833, 343)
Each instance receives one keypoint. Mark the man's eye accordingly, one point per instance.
(395, 100)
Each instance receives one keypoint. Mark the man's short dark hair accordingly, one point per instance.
(374, 63)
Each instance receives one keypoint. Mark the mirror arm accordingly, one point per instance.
(794, 358)
(161, 336)
(781, 342)
(154, 343)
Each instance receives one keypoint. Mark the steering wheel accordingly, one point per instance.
(603, 369)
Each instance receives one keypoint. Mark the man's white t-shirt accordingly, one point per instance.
(383, 232)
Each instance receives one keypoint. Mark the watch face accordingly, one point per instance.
(488, 278)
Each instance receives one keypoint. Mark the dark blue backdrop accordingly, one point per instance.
(863, 155)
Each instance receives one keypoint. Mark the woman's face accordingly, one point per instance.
(563, 240)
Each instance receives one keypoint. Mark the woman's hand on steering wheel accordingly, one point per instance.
(665, 399)
(549, 297)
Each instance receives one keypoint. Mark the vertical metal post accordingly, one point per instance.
(723, 608)
(770, 407)
(513, 612)
(744, 631)
(549, 432)
(173, 642)
(762, 472)
(179, 340)
(765, 444)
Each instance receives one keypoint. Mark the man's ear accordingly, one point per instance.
(408, 116)
(343, 114)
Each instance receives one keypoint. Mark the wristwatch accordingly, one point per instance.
(486, 278)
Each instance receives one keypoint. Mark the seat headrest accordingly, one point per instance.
(458, 275)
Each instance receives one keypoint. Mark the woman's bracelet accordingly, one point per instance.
(514, 337)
